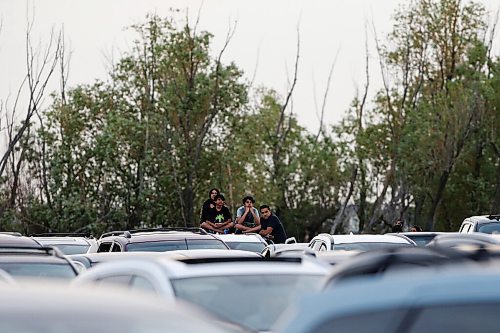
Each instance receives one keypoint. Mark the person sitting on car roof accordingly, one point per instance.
(219, 219)
(247, 217)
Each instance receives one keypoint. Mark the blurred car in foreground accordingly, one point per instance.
(247, 242)
(203, 255)
(249, 291)
(483, 223)
(48, 308)
(45, 262)
(283, 250)
(357, 242)
(158, 240)
(453, 240)
(459, 298)
(68, 243)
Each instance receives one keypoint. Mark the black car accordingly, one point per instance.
(158, 240)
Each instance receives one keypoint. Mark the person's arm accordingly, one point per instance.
(267, 231)
(241, 218)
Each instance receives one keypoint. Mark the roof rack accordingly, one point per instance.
(494, 217)
(128, 233)
(62, 234)
(241, 259)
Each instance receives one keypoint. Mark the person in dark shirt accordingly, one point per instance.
(208, 205)
(219, 217)
(271, 226)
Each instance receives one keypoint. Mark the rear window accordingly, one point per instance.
(247, 246)
(176, 245)
(489, 228)
(46, 270)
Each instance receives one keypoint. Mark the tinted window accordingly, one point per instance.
(71, 248)
(247, 246)
(206, 244)
(489, 228)
(378, 322)
(470, 318)
(421, 240)
(158, 246)
(64, 271)
(104, 247)
(265, 296)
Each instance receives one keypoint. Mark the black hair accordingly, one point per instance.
(219, 196)
(248, 197)
(211, 190)
(417, 227)
(264, 206)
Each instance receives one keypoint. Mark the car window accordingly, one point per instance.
(104, 247)
(468, 318)
(265, 296)
(377, 322)
(122, 280)
(158, 246)
(71, 248)
(489, 228)
(247, 246)
(138, 282)
(193, 244)
(46, 270)
(116, 247)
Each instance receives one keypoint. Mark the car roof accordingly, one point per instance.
(16, 240)
(450, 285)
(245, 267)
(63, 240)
(483, 218)
(159, 236)
(47, 259)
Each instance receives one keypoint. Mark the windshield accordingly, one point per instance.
(255, 301)
(247, 246)
(45, 270)
(421, 240)
(489, 228)
(172, 245)
(367, 246)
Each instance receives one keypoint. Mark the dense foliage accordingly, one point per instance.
(144, 147)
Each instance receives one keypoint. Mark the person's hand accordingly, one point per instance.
(247, 209)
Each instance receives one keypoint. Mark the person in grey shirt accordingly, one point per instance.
(247, 217)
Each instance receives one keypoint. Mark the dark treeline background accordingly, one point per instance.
(143, 147)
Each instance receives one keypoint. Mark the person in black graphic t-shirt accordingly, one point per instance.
(271, 226)
(219, 217)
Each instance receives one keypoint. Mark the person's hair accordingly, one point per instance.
(211, 190)
(398, 227)
(264, 206)
(417, 227)
(248, 197)
(219, 196)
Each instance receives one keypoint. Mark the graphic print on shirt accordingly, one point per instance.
(219, 218)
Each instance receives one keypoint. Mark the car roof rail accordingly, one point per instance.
(494, 217)
(129, 233)
(45, 250)
(63, 234)
(11, 233)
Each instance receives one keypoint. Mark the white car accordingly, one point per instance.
(250, 291)
(67, 244)
(41, 307)
(247, 242)
(357, 242)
